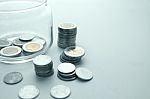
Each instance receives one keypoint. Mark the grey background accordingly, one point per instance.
(115, 35)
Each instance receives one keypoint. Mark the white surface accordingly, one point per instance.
(115, 35)
(66, 68)
(42, 60)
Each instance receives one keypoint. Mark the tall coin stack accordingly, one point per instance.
(66, 35)
(43, 66)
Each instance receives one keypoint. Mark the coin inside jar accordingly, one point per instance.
(4, 43)
(26, 37)
(10, 51)
(32, 47)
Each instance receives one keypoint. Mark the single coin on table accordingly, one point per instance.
(60, 92)
(29, 92)
(84, 74)
(13, 78)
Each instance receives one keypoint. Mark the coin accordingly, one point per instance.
(29, 92)
(18, 42)
(10, 51)
(42, 60)
(66, 68)
(40, 40)
(60, 92)
(12, 78)
(26, 37)
(4, 43)
(84, 74)
(32, 47)
(66, 78)
(66, 35)
(74, 51)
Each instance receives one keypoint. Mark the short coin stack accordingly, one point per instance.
(67, 35)
(43, 66)
(72, 54)
(66, 71)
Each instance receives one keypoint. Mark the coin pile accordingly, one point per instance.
(67, 35)
(72, 54)
(66, 71)
(43, 66)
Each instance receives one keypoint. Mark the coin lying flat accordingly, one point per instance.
(18, 42)
(66, 68)
(26, 37)
(32, 47)
(60, 91)
(12, 78)
(29, 92)
(42, 41)
(84, 74)
(4, 43)
(74, 51)
(10, 51)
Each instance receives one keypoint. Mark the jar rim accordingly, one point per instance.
(40, 3)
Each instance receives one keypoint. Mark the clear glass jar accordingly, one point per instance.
(21, 17)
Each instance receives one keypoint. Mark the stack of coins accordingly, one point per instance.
(67, 35)
(66, 71)
(43, 66)
(72, 54)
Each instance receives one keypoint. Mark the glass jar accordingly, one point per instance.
(20, 18)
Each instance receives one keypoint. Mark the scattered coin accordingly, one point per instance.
(32, 47)
(84, 74)
(29, 92)
(66, 68)
(60, 92)
(12, 78)
(26, 37)
(4, 43)
(10, 51)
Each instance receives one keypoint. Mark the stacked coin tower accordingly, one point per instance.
(72, 54)
(43, 66)
(66, 71)
(67, 35)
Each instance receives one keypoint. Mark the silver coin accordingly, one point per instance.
(66, 68)
(42, 41)
(12, 78)
(32, 47)
(42, 60)
(66, 78)
(74, 51)
(10, 51)
(29, 92)
(60, 92)
(18, 42)
(84, 73)
(4, 43)
(63, 60)
(26, 37)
